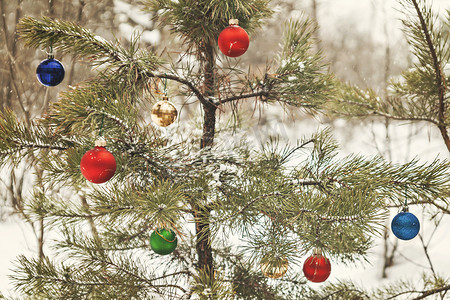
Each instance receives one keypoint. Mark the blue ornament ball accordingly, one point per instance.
(50, 72)
(405, 225)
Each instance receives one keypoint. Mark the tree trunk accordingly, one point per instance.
(11, 48)
(209, 125)
(201, 214)
(316, 21)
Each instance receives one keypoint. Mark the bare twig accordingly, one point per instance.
(425, 249)
(432, 292)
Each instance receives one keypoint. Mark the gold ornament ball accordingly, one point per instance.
(164, 113)
(275, 268)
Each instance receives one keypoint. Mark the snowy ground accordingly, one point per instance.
(17, 238)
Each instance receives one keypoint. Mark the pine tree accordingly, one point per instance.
(421, 94)
(236, 211)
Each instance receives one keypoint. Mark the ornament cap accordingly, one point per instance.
(405, 208)
(165, 98)
(317, 251)
(100, 142)
(233, 22)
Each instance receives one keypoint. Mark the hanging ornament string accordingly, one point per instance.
(50, 53)
(100, 131)
(318, 244)
(406, 197)
(233, 10)
(317, 268)
(166, 100)
(165, 86)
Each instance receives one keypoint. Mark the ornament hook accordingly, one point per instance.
(165, 87)
(317, 251)
(100, 142)
(50, 53)
(100, 131)
(405, 204)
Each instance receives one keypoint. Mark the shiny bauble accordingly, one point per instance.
(275, 268)
(405, 225)
(163, 241)
(233, 41)
(164, 113)
(50, 72)
(317, 268)
(98, 165)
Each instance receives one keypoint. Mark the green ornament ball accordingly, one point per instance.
(163, 241)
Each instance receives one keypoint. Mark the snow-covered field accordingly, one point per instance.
(17, 238)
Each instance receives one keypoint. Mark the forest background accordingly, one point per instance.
(363, 43)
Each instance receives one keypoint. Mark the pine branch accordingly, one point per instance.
(261, 94)
(301, 78)
(440, 77)
(72, 38)
(20, 140)
(424, 293)
(335, 183)
(421, 94)
(67, 37)
(200, 96)
(445, 210)
(149, 282)
(331, 219)
(31, 147)
(367, 109)
(249, 204)
(322, 217)
(397, 290)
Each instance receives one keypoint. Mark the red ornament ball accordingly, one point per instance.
(317, 268)
(233, 41)
(98, 165)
